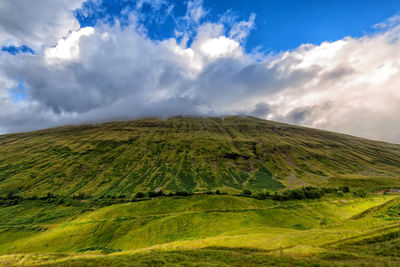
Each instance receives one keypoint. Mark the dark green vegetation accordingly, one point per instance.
(190, 154)
(197, 191)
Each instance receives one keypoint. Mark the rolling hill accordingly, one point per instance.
(203, 230)
(68, 195)
(193, 154)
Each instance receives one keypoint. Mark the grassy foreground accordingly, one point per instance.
(204, 230)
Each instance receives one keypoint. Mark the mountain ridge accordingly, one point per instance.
(195, 154)
(99, 123)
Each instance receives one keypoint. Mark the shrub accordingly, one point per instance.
(277, 197)
(340, 193)
(153, 194)
(104, 249)
(394, 211)
(308, 192)
(360, 193)
(182, 193)
(324, 221)
(246, 193)
(262, 196)
(328, 189)
(311, 192)
(295, 194)
(139, 195)
(344, 189)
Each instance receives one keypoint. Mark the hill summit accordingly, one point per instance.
(194, 154)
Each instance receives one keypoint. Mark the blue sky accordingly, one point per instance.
(332, 65)
(280, 25)
(16, 49)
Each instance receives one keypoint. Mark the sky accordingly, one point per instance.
(331, 65)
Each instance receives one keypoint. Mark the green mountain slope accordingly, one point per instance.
(192, 154)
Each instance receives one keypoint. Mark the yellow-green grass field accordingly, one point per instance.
(204, 230)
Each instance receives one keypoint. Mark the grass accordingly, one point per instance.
(193, 154)
(211, 256)
(218, 229)
(101, 163)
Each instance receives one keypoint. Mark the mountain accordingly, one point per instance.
(194, 154)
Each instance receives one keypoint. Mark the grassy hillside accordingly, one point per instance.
(191, 154)
(209, 230)
(67, 195)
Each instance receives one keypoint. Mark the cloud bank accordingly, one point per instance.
(115, 71)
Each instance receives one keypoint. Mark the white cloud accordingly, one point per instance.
(109, 72)
(354, 87)
(195, 11)
(241, 30)
(219, 46)
(36, 23)
(390, 22)
(68, 48)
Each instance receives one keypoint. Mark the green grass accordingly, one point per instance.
(230, 154)
(211, 256)
(176, 230)
(190, 154)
